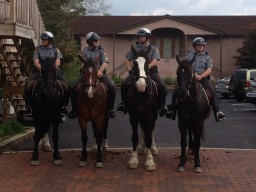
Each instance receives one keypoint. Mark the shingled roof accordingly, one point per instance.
(106, 25)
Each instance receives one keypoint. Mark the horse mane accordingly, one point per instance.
(48, 65)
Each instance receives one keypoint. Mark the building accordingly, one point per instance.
(171, 34)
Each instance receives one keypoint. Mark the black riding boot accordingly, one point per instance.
(163, 109)
(111, 101)
(122, 108)
(219, 116)
(172, 108)
(72, 113)
(64, 109)
(28, 98)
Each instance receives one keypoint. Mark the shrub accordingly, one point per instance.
(10, 128)
(169, 81)
(117, 80)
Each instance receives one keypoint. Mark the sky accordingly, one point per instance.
(182, 7)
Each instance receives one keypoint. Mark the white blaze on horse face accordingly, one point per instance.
(141, 83)
(90, 91)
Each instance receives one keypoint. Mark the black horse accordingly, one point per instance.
(142, 105)
(193, 110)
(47, 101)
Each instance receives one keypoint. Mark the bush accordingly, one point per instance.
(169, 81)
(10, 128)
(117, 80)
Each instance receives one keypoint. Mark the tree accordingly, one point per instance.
(57, 15)
(247, 53)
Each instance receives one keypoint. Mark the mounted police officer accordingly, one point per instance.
(94, 51)
(203, 68)
(43, 52)
(144, 35)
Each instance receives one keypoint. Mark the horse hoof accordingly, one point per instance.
(58, 162)
(150, 167)
(132, 166)
(34, 162)
(99, 165)
(82, 163)
(47, 149)
(198, 170)
(154, 151)
(180, 169)
(140, 149)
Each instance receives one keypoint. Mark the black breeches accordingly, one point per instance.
(161, 87)
(111, 90)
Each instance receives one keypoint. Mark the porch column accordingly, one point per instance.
(185, 44)
(220, 55)
(13, 10)
(114, 41)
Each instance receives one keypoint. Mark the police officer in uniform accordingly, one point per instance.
(93, 51)
(42, 52)
(203, 68)
(144, 35)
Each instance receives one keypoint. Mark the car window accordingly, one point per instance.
(240, 75)
(252, 75)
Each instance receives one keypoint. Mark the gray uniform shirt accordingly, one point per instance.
(87, 53)
(43, 52)
(153, 54)
(202, 62)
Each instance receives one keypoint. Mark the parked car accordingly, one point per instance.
(251, 94)
(240, 81)
(222, 87)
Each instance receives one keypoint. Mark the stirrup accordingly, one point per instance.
(163, 110)
(72, 114)
(121, 108)
(28, 111)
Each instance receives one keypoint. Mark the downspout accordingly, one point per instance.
(114, 41)
(220, 55)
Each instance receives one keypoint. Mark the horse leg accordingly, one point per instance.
(197, 137)
(149, 164)
(183, 143)
(134, 161)
(46, 143)
(55, 139)
(154, 149)
(99, 138)
(34, 161)
(190, 142)
(105, 138)
(84, 139)
(141, 144)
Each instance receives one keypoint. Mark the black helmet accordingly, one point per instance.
(144, 32)
(198, 41)
(47, 36)
(91, 36)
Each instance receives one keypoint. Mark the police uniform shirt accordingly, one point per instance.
(202, 62)
(153, 54)
(43, 52)
(87, 53)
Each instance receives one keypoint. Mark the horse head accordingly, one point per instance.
(89, 75)
(48, 78)
(140, 68)
(185, 77)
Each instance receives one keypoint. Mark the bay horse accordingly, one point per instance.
(193, 109)
(91, 105)
(142, 105)
(47, 100)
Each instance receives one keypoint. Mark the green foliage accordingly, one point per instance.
(247, 53)
(169, 81)
(10, 128)
(72, 71)
(117, 80)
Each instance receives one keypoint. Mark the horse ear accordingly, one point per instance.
(82, 59)
(178, 59)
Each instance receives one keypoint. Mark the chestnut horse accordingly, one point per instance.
(47, 100)
(142, 105)
(91, 105)
(193, 110)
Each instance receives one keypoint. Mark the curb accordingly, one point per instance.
(4, 145)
